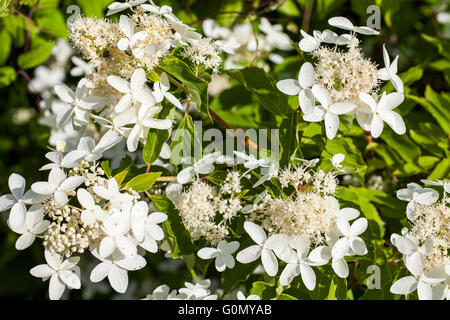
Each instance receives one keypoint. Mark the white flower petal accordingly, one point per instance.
(249, 254)
(307, 75)
(16, 184)
(290, 87)
(269, 262)
(405, 285)
(207, 253)
(100, 271)
(358, 227)
(56, 287)
(42, 271)
(255, 232)
(340, 267)
(118, 278)
(25, 240)
(308, 276)
(132, 264)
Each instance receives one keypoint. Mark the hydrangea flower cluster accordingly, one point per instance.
(79, 211)
(344, 81)
(426, 244)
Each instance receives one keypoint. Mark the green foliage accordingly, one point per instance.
(143, 182)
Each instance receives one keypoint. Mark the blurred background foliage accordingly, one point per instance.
(29, 29)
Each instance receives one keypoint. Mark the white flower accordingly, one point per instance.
(61, 274)
(322, 254)
(127, 27)
(133, 91)
(311, 43)
(116, 228)
(413, 254)
(264, 248)
(440, 183)
(370, 114)
(34, 225)
(203, 166)
(223, 254)
(81, 68)
(250, 162)
(162, 292)
(17, 200)
(415, 194)
(228, 46)
(78, 103)
(143, 121)
(115, 268)
(344, 23)
(275, 35)
(92, 212)
(299, 264)
(426, 283)
(213, 30)
(351, 239)
(327, 110)
(57, 161)
(267, 173)
(301, 87)
(337, 159)
(241, 296)
(120, 6)
(112, 193)
(87, 150)
(152, 231)
(46, 78)
(58, 185)
(138, 215)
(161, 91)
(389, 72)
(197, 291)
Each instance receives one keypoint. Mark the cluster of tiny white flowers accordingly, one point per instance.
(67, 234)
(310, 211)
(345, 74)
(204, 52)
(433, 222)
(206, 212)
(345, 81)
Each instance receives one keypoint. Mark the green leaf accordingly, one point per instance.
(180, 238)
(94, 8)
(196, 87)
(402, 145)
(51, 19)
(182, 140)
(106, 167)
(257, 82)
(120, 173)
(5, 48)
(353, 158)
(288, 138)
(264, 290)
(338, 289)
(7, 76)
(143, 182)
(441, 171)
(35, 56)
(153, 144)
